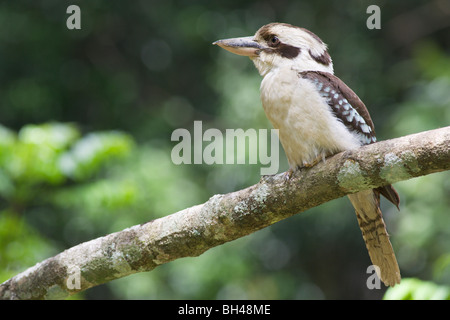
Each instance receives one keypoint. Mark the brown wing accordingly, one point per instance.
(344, 104)
(348, 107)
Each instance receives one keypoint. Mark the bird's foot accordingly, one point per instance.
(289, 173)
(314, 162)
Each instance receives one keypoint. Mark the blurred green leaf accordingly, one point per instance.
(32, 157)
(20, 245)
(57, 136)
(92, 151)
(415, 289)
(7, 139)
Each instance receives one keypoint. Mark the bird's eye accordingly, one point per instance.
(274, 41)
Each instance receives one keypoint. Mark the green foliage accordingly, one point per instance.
(51, 153)
(32, 155)
(86, 118)
(415, 289)
(34, 167)
(87, 155)
(20, 245)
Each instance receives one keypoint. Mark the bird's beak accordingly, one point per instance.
(244, 46)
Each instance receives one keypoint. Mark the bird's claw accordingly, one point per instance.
(288, 174)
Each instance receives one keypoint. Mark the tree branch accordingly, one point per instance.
(224, 218)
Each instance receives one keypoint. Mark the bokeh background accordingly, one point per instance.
(86, 118)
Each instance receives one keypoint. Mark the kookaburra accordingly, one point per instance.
(317, 115)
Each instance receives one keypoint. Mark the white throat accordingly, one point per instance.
(266, 63)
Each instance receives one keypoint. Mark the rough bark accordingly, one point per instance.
(224, 218)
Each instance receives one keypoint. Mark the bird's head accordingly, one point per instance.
(278, 45)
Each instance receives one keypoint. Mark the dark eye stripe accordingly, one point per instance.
(324, 58)
(287, 51)
(284, 50)
(276, 46)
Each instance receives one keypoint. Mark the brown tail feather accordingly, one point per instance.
(389, 193)
(366, 204)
